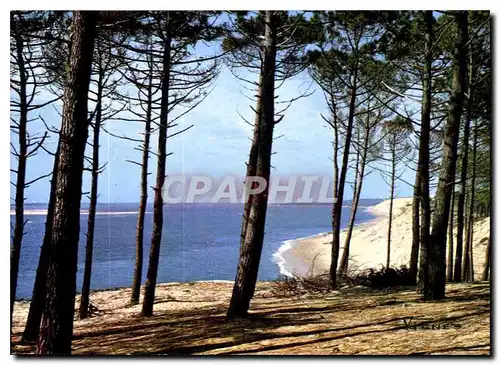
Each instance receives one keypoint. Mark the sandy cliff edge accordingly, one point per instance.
(311, 255)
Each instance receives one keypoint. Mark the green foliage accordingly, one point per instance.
(244, 41)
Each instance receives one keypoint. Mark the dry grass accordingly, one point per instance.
(190, 319)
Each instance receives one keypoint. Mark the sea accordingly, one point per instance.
(199, 242)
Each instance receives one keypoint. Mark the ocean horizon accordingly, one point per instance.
(200, 241)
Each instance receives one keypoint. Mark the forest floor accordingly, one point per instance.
(189, 318)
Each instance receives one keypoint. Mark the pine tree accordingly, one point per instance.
(347, 51)
(176, 31)
(103, 95)
(271, 43)
(435, 278)
(57, 320)
(397, 147)
(28, 78)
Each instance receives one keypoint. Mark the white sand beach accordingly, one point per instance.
(311, 255)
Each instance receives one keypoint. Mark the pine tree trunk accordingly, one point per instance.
(337, 204)
(57, 320)
(449, 266)
(37, 303)
(139, 241)
(154, 253)
(487, 261)
(466, 254)
(252, 159)
(335, 149)
(360, 172)
(345, 255)
(463, 176)
(89, 249)
(415, 242)
(468, 269)
(393, 183)
(471, 245)
(17, 238)
(423, 156)
(434, 287)
(251, 245)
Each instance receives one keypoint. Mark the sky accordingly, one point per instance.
(217, 145)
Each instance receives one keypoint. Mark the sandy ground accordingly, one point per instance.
(311, 256)
(189, 319)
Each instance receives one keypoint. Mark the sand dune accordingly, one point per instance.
(311, 256)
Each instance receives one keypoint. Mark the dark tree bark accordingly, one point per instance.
(338, 200)
(463, 175)
(415, 242)
(39, 288)
(468, 269)
(434, 282)
(154, 253)
(360, 173)
(471, 245)
(393, 184)
(22, 156)
(487, 261)
(139, 241)
(344, 261)
(251, 244)
(87, 273)
(335, 148)
(449, 266)
(252, 159)
(423, 154)
(57, 320)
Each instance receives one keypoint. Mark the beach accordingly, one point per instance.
(310, 256)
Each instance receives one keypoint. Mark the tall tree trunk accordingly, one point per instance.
(393, 183)
(85, 300)
(57, 320)
(487, 261)
(468, 269)
(434, 287)
(335, 148)
(466, 254)
(139, 240)
(154, 253)
(449, 266)
(252, 160)
(338, 200)
(345, 255)
(463, 175)
(423, 155)
(471, 246)
(22, 156)
(39, 288)
(251, 246)
(415, 224)
(360, 172)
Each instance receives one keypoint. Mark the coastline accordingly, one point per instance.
(311, 256)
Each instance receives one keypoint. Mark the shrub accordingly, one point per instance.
(383, 278)
(289, 286)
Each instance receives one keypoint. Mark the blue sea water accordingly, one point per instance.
(199, 242)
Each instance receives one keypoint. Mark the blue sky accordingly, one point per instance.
(217, 145)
